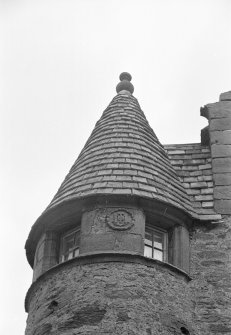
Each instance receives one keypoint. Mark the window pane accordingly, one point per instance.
(158, 255)
(147, 251)
(155, 243)
(70, 255)
(148, 238)
(158, 240)
(68, 243)
(76, 252)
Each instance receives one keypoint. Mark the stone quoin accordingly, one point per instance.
(137, 240)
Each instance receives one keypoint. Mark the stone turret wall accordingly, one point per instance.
(111, 298)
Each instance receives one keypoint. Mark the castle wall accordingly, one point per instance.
(111, 298)
(211, 274)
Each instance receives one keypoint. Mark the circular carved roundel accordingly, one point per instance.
(120, 219)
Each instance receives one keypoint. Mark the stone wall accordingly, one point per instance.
(111, 298)
(211, 244)
(46, 253)
(211, 274)
(219, 117)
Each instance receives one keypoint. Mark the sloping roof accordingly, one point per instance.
(123, 156)
(192, 163)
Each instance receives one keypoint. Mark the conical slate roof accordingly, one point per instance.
(123, 157)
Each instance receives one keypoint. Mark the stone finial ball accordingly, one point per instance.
(125, 76)
(125, 83)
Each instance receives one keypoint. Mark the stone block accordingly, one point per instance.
(207, 172)
(205, 167)
(198, 185)
(220, 124)
(219, 110)
(210, 184)
(222, 178)
(220, 137)
(207, 191)
(222, 192)
(223, 206)
(221, 165)
(201, 155)
(203, 197)
(207, 204)
(226, 96)
(221, 150)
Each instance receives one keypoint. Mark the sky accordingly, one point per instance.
(60, 62)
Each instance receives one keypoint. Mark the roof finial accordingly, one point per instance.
(125, 84)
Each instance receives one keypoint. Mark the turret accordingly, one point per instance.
(111, 253)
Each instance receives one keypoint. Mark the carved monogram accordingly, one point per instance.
(120, 219)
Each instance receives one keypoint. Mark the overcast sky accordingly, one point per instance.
(59, 66)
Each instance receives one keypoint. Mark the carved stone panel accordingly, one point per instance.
(120, 219)
(98, 225)
(106, 229)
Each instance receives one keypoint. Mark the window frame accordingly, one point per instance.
(64, 255)
(164, 250)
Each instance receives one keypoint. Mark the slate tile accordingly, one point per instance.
(140, 179)
(207, 204)
(207, 191)
(193, 191)
(203, 197)
(122, 191)
(195, 173)
(176, 152)
(205, 167)
(198, 185)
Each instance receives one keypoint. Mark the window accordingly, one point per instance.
(155, 244)
(70, 245)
